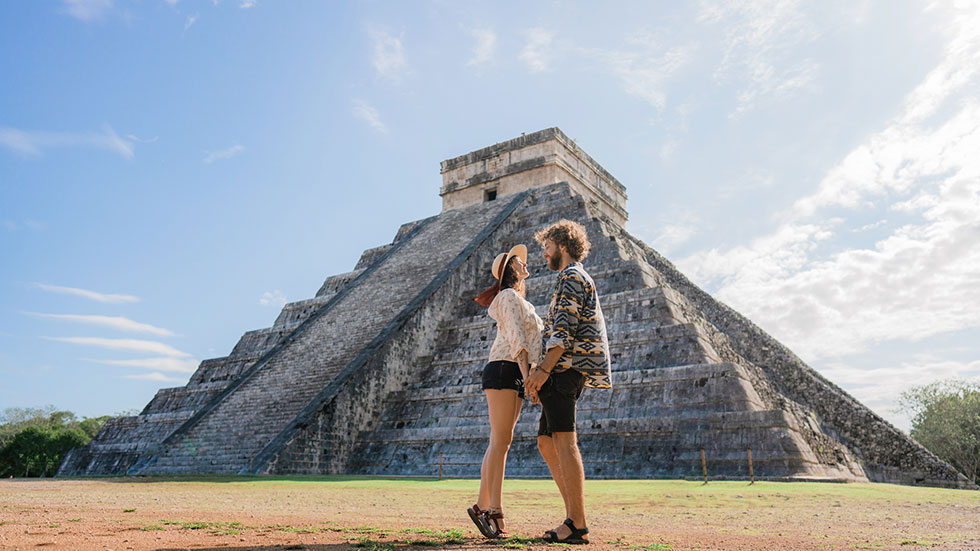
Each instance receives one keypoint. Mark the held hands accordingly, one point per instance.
(534, 381)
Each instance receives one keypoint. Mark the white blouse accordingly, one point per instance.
(518, 328)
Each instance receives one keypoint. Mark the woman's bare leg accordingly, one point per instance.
(504, 408)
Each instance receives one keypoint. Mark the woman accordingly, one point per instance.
(518, 343)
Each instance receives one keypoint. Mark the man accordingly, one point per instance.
(577, 357)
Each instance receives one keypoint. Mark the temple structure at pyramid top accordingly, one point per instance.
(378, 372)
(531, 161)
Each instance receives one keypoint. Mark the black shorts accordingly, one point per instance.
(558, 395)
(502, 374)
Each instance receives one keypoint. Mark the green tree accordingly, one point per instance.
(33, 441)
(946, 420)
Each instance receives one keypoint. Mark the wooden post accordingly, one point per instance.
(704, 467)
(751, 472)
(440, 465)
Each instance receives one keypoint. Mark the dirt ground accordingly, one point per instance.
(371, 514)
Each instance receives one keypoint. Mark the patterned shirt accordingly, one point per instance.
(575, 323)
(518, 328)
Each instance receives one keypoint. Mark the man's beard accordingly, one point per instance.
(554, 264)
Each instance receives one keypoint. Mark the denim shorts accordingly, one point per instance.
(502, 374)
(559, 396)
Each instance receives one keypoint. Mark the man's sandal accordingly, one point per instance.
(479, 518)
(495, 519)
(575, 538)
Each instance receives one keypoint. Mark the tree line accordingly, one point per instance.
(946, 420)
(33, 441)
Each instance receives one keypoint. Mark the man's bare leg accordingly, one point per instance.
(546, 445)
(573, 480)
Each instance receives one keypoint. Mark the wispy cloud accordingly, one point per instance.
(227, 153)
(34, 143)
(191, 19)
(537, 50)
(157, 377)
(645, 66)
(389, 54)
(87, 10)
(362, 110)
(248, 4)
(273, 298)
(486, 45)
(33, 225)
(85, 293)
(149, 347)
(113, 322)
(761, 40)
(159, 364)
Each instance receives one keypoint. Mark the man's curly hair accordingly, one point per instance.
(568, 234)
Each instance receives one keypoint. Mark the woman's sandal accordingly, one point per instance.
(575, 538)
(495, 518)
(480, 520)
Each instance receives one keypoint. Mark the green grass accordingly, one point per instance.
(440, 537)
(74, 520)
(151, 527)
(371, 545)
(133, 510)
(215, 527)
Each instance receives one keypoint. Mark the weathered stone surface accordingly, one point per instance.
(379, 372)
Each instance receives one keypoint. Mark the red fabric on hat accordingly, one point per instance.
(486, 297)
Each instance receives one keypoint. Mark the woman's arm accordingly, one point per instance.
(522, 363)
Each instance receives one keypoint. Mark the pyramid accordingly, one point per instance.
(379, 372)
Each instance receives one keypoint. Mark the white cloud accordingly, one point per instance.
(486, 45)
(114, 322)
(537, 51)
(370, 115)
(246, 4)
(191, 19)
(668, 151)
(227, 153)
(87, 10)
(273, 298)
(158, 377)
(100, 297)
(160, 364)
(149, 347)
(172, 2)
(827, 297)
(134, 138)
(760, 41)
(33, 143)
(644, 69)
(389, 54)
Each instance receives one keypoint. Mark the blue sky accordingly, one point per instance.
(173, 171)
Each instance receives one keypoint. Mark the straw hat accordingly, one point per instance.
(502, 259)
(497, 269)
